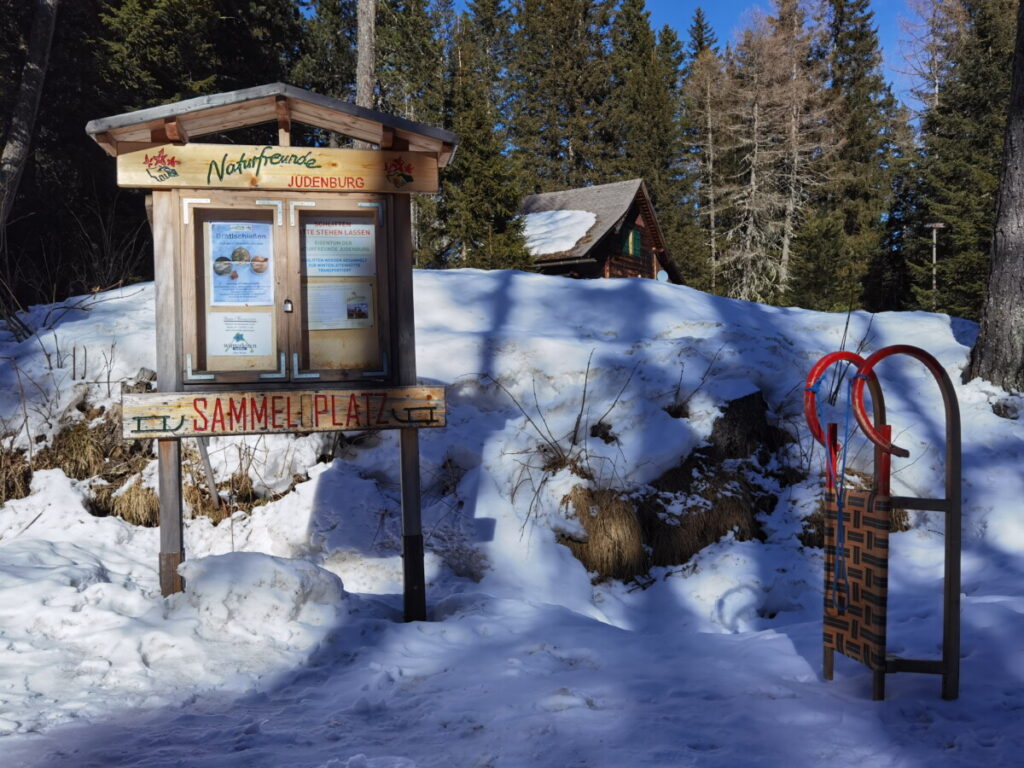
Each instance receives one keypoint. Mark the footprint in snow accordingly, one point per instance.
(564, 699)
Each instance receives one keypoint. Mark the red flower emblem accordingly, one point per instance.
(399, 171)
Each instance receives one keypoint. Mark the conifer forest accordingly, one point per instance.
(783, 167)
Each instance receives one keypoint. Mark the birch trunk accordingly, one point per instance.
(19, 132)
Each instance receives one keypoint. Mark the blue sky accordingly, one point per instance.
(728, 16)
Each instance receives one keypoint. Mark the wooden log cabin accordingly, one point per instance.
(606, 230)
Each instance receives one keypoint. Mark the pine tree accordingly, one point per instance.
(492, 22)
(639, 112)
(155, 51)
(887, 283)
(559, 81)
(704, 99)
(410, 61)
(72, 230)
(962, 139)
(17, 136)
(411, 78)
(676, 193)
(478, 223)
(643, 116)
(931, 43)
(846, 230)
(702, 36)
(750, 259)
(327, 61)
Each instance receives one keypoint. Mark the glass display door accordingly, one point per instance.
(283, 289)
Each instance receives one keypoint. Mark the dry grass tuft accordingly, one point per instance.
(101, 499)
(138, 505)
(627, 535)
(15, 474)
(82, 451)
(75, 450)
(243, 492)
(240, 491)
(733, 506)
(197, 499)
(899, 520)
(614, 547)
(85, 450)
(132, 501)
(813, 533)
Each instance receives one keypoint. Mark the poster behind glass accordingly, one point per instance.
(241, 263)
(338, 246)
(240, 332)
(340, 274)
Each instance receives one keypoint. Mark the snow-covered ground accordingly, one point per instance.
(287, 648)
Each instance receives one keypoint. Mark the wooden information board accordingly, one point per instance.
(284, 296)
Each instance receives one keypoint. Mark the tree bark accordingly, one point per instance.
(366, 24)
(998, 354)
(19, 132)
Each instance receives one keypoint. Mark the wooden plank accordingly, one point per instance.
(135, 146)
(920, 666)
(107, 142)
(226, 166)
(175, 130)
(414, 580)
(446, 154)
(166, 244)
(284, 122)
(203, 414)
(423, 143)
(350, 125)
(401, 211)
(166, 247)
(172, 546)
(415, 599)
(229, 118)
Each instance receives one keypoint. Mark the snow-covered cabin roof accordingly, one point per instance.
(556, 231)
(274, 102)
(602, 207)
(609, 204)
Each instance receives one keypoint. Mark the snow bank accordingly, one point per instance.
(268, 660)
(255, 598)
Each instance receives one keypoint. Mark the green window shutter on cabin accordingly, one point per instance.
(631, 245)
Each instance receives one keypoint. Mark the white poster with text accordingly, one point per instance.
(337, 247)
(246, 334)
(335, 306)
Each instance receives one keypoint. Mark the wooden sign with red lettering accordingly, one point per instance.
(303, 169)
(205, 414)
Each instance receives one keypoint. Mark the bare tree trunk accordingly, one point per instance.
(366, 21)
(711, 192)
(998, 354)
(792, 183)
(19, 133)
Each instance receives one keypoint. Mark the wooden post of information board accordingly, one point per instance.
(168, 372)
(412, 530)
